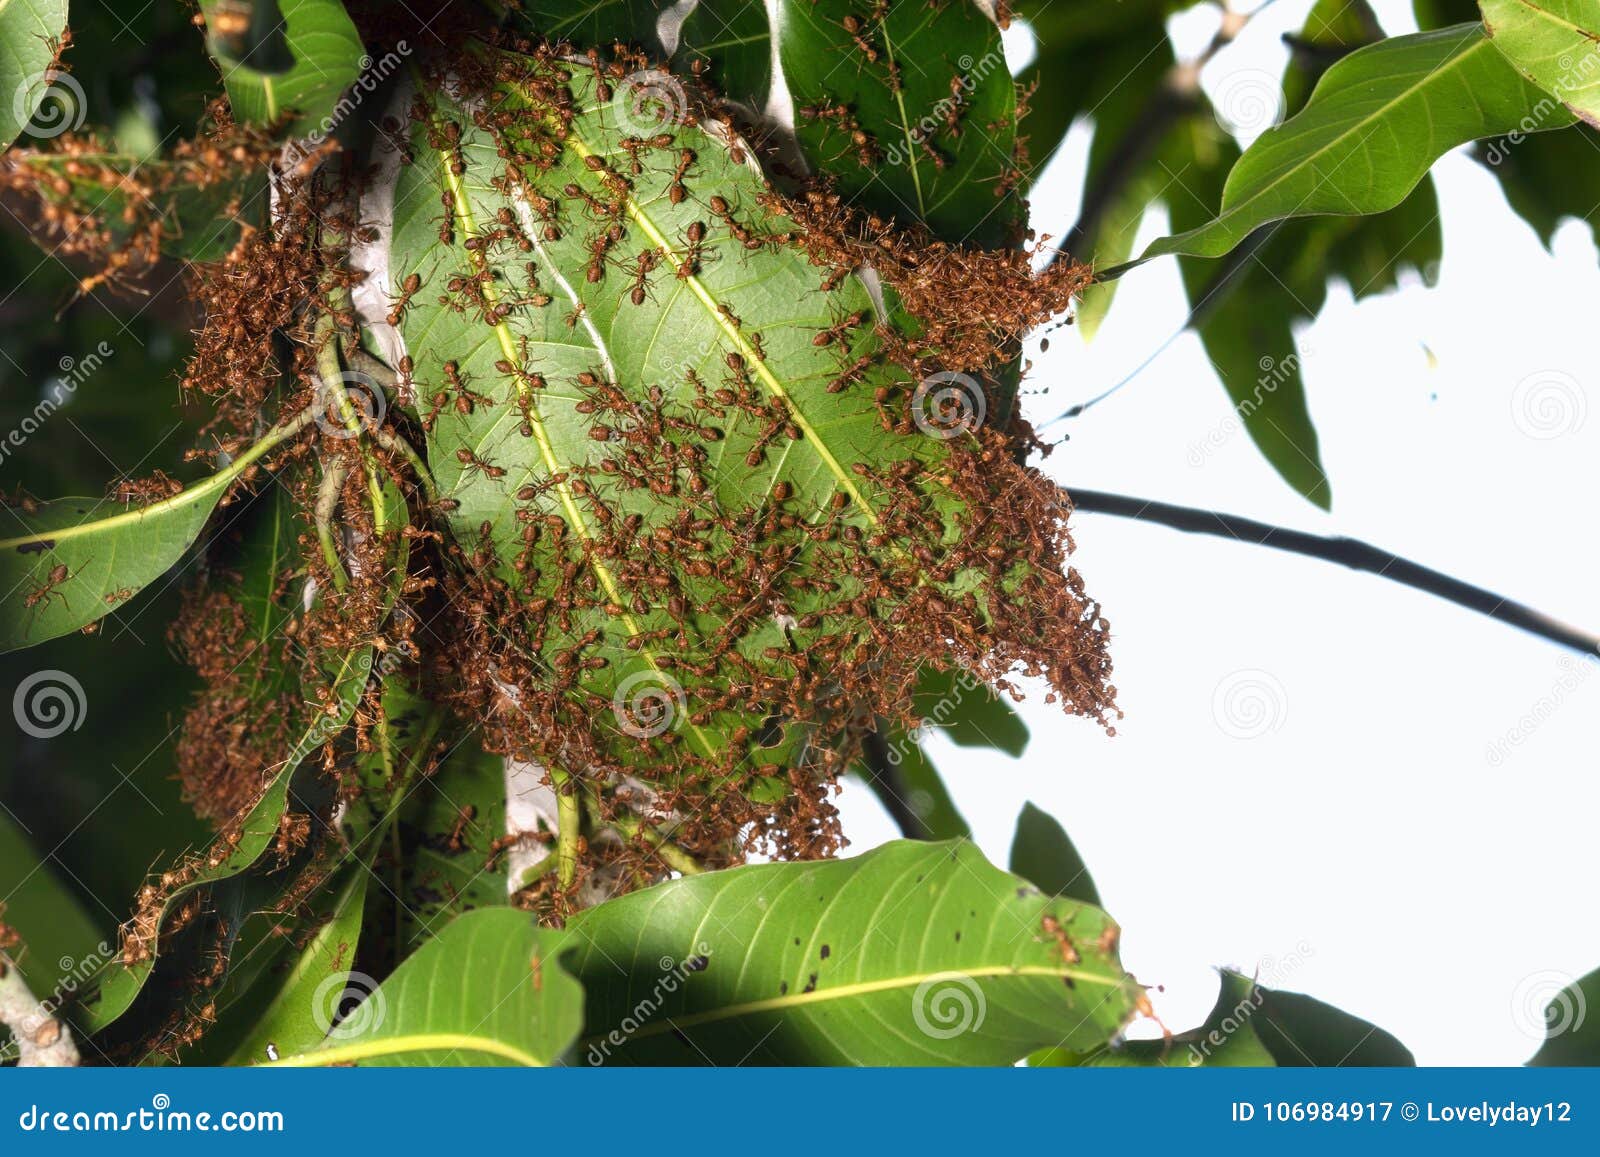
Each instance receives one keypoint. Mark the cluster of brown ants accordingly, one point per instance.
(792, 625)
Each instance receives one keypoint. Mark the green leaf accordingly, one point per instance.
(1226, 1040)
(1042, 853)
(969, 711)
(909, 787)
(1549, 178)
(1555, 44)
(1376, 122)
(327, 54)
(597, 24)
(914, 953)
(929, 88)
(1244, 323)
(79, 558)
(734, 40)
(1572, 1024)
(1301, 1031)
(564, 377)
(491, 989)
(239, 874)
(30, 33)
(307, 999)
(250, 33)
(59, 935)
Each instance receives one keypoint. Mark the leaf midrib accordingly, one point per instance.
(569, 502)
(1353, 130)
(857, 989)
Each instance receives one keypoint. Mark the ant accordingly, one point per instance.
(473, 462)
(58, 575)
(694, 251)
(408, 290)
(645, 265)
(676, 191)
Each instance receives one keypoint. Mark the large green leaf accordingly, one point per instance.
(326, 49)
(30, 33)
(1555, 44)
(914, 953)
(59, 935)
(1301, 1031)
(928, 88)
(491, 989)
(77, 559)
(303, 1008)
(734, 39)
(731, 368)
(1043, 854)
(1375, 123)
(245, 869)
(969, 711)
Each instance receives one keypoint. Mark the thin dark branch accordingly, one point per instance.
(1346, 552)
(886, 782)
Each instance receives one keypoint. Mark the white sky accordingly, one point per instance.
(1363, 847)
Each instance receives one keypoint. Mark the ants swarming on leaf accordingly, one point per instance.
(709, 523)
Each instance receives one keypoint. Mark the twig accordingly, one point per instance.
(43, 1040)
(1347, 552)
(886, 782)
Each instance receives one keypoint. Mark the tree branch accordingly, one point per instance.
(1347, 552)
(43, 1040)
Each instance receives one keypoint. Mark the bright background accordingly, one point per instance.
(1368, 794)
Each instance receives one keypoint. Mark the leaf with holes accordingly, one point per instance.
(913, 954)
(322, 43)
